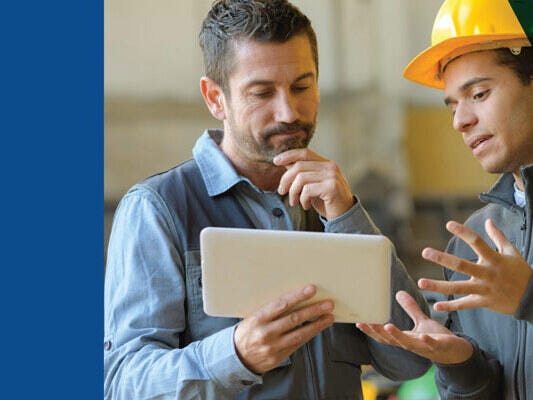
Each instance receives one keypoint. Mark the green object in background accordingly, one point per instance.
(422, 388)
(523, 10)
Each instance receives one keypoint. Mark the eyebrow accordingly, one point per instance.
(465, 86)
(265, 82)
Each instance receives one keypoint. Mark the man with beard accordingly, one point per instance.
(261, 65)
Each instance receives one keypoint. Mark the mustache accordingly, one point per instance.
(284, 127)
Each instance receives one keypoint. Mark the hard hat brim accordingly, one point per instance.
(426, 67)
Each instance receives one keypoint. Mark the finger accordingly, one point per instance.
(272, 310)
(500, 240)
(404, 339)
(391, 335)
(302, 315)
(456, 287)
(301, 181)
(310, 192)
(301, 335)
(294, 155)
(376, 332)
(294, 170)
(463, 303)
(480, 247)
(455, 263)
(419, 343)
(410, 306)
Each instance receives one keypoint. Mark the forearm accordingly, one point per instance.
(208, 368)
(478, 378)
(355, 220)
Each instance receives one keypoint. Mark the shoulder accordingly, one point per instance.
(171, 176)
(155, 194)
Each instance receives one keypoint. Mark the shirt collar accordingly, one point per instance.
(519, 197)
(216, 169)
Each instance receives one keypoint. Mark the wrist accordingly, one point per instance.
(339, 208)
(463, 352)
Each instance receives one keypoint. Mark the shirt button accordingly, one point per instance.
(247, 383)
(107, 345)
(277, 212)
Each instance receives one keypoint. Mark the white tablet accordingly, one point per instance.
(243, 269)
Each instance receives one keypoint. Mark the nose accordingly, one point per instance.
(286, 108)
(464, 118)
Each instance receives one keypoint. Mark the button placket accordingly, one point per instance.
(277, 212)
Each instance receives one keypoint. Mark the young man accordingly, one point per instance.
(481, 56)
(261, 81)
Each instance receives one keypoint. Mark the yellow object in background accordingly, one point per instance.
(370, 390)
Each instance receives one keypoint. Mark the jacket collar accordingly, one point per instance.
(502, 192)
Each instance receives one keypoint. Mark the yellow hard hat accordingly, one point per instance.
(463, 26)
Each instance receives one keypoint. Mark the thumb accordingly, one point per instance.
(410, 306)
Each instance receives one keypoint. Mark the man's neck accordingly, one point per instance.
(518, 179)
(264, 175)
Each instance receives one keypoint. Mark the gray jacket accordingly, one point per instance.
(502, 365)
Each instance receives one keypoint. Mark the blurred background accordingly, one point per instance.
(392, 138)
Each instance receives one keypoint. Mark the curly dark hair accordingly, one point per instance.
(521, 64)
(263, 20)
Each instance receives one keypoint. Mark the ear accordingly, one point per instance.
(213, 97)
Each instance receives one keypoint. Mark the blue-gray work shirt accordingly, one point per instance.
(145, 294)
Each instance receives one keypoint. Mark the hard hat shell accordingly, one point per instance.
(464, 26)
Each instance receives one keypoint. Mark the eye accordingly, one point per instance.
(262, 95)
(477, 96)
(300, 88)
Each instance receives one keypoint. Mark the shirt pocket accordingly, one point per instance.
(199, 324)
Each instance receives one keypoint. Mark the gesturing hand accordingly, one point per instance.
(428, 338)
(497, 281)
(314, 181)
(270, 334)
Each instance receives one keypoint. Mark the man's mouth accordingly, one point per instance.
(289, 129)
(289, 133)
(477, 141)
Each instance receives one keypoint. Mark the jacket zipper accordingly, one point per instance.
(526, 231)
(312, 386)
(526, 240)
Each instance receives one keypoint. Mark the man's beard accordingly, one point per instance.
(264, 150)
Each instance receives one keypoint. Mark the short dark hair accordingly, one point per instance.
(263, 20)
(521, 64)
